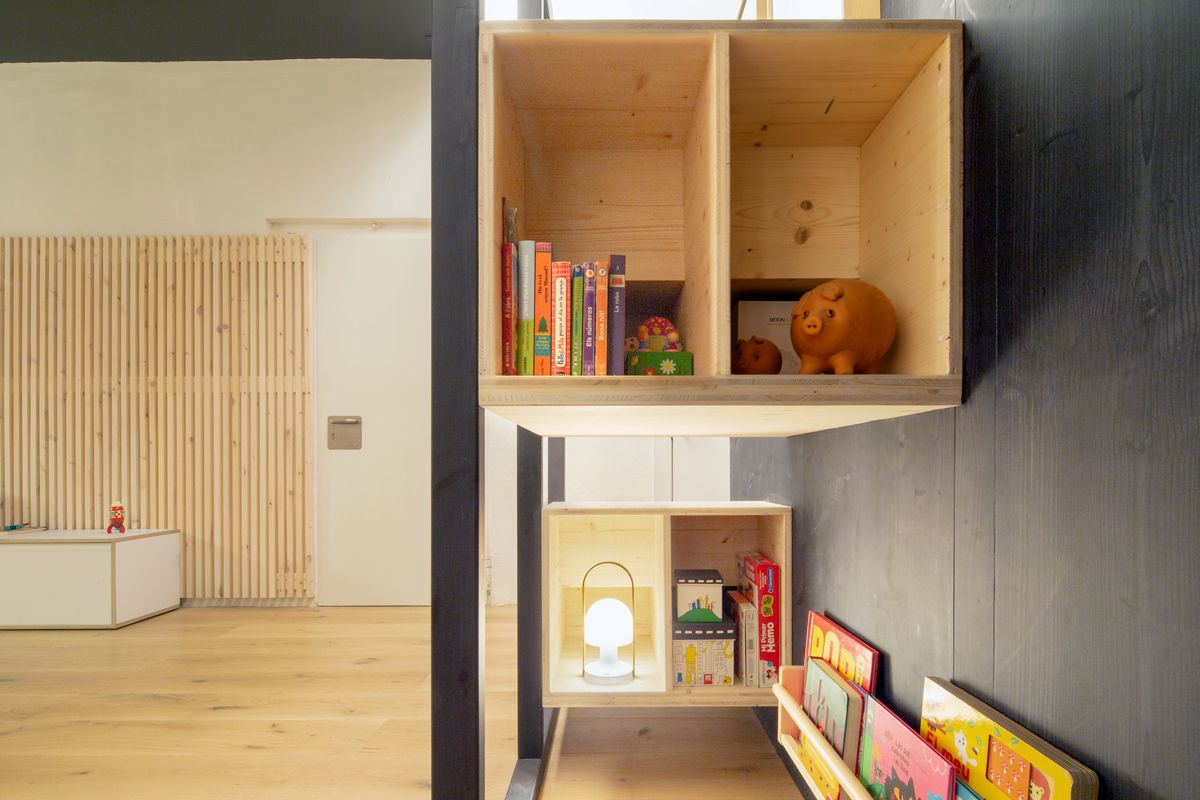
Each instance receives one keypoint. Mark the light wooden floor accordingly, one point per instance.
(317, 703)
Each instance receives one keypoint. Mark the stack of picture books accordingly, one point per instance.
(965, 749)
(559, 318)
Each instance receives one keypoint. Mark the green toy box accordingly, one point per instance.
(669, 362)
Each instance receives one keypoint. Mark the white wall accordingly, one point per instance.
(700, 468)
(500, 508)
(596, 469)
(212, 147)
(617, 468)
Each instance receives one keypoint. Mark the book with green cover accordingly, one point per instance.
(577, 319)
(525, 300)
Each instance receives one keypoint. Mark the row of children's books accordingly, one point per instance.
(560, 318)
(965, 749)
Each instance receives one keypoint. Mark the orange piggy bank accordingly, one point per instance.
(842, 326)
(756, 356)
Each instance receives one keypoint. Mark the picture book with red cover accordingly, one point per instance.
(895, 763)
(856, 660)
(508, 315)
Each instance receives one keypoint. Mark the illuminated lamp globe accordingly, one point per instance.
(608, 625)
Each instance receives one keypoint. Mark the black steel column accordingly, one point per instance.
(530, 732)
(457, 644)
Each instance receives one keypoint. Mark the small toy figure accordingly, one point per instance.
(842, 326)
(756, 356)
(658, 335)
(116, 517)
(631, 344)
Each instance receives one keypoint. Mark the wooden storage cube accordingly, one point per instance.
(845, 165)
(573, 543)
(713, 541)
(607, 142)
(651, 540)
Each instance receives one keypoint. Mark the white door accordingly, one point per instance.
(371, 360)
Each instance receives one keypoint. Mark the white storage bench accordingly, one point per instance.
(87, 579)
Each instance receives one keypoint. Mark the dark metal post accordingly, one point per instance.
(457, 641)
(530, 732)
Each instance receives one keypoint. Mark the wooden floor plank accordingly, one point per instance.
(257, 704)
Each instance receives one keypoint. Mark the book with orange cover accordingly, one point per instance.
(542, 305)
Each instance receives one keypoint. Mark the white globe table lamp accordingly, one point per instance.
(608, 625)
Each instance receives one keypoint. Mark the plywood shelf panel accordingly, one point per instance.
(733, 406)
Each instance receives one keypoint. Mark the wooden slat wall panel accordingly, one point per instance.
(170, 372)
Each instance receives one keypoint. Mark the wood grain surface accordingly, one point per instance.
(171, 373)
(311, 704)
(258, 704)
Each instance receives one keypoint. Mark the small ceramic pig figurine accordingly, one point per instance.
(756, 356)
(842, 326)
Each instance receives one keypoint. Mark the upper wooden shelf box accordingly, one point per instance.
(729, 161)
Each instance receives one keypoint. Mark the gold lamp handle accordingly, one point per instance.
(583, 613)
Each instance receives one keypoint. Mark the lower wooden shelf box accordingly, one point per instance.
(628, 552)
(816, 760)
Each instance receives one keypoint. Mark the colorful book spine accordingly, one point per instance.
(560, 318)
(616, 315)
(525, 250)
(602, 318)
(589, 319)
(577, 319)
(508, 317)
(541, 308)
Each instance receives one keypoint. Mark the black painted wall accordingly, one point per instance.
(1041, 544)
(213, 30)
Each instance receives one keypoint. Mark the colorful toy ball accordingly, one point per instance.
(659, 335)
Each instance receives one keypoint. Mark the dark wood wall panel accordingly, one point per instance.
(1097, 506)
(1073, 481)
